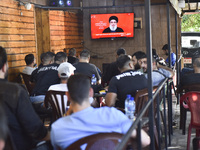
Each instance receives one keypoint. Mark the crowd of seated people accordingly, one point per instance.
(52, 74)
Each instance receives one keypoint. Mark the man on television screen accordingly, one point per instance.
(113, 20)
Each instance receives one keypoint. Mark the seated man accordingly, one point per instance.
(60, 57)
(86, 120)
(160, 72)
(137, 56)
(44, 77)
(72, 56)
(84, 67)
(128, 82)
(112, 69)
(24, 124)
(192, 78)
(30, 63)
(65, 70)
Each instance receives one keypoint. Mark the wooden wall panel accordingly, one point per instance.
(17, 34)
(66, 30)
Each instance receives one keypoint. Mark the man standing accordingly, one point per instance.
(30, 62)
(86, 120)
(128, 82)
(113, 20)
(24, 124)
(84, 67)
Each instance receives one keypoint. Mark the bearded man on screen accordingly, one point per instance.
(113, 20)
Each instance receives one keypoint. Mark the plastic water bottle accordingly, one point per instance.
(131, 108)
(126, 104)
(93, 80)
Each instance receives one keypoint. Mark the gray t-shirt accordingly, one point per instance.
(159, 75)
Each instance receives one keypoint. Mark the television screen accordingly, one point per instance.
(112, 25)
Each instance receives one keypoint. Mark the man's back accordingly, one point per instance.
(86, 69)
(191, 78)
(24, 124)
(89, 121)
(72, 60)
(111, 71)
(45, 77)
(125, 83)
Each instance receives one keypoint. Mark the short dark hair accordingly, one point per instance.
(122, 61)
(72, 52)
(121, 51)
(47, 57)
(3, 57)
(29, 59)
(85, 53)
(60, 56)
(165, 47)
(139, 55)
(113, 17)
(78, 87)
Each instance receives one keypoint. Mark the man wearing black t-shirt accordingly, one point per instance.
(72, 56)
(112, 69)
(192, 78)
(43, 78)
(84, 67)
(128, 82)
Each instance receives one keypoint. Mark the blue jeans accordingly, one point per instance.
(37, 99)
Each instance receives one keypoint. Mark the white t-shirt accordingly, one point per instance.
(28, 70)
(59, 87)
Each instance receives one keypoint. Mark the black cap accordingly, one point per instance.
(113, 17)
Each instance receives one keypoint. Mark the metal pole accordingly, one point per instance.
(169, 117)
(149, 72)
(158, 120)
(169, 33)
(165, 122)
(177, 65)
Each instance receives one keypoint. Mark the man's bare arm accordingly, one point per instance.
(145, 139)
(110, 99)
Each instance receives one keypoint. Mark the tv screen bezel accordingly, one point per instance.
(112, 37)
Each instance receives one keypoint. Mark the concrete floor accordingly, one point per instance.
(179, 141)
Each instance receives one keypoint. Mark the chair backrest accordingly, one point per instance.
(191, 87)
(58, 102)
(141, 98)
(26, 80)
(100, 141)
(191, 100)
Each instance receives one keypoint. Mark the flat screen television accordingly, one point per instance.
(113, 25)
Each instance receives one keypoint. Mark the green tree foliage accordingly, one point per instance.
(191, 23)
